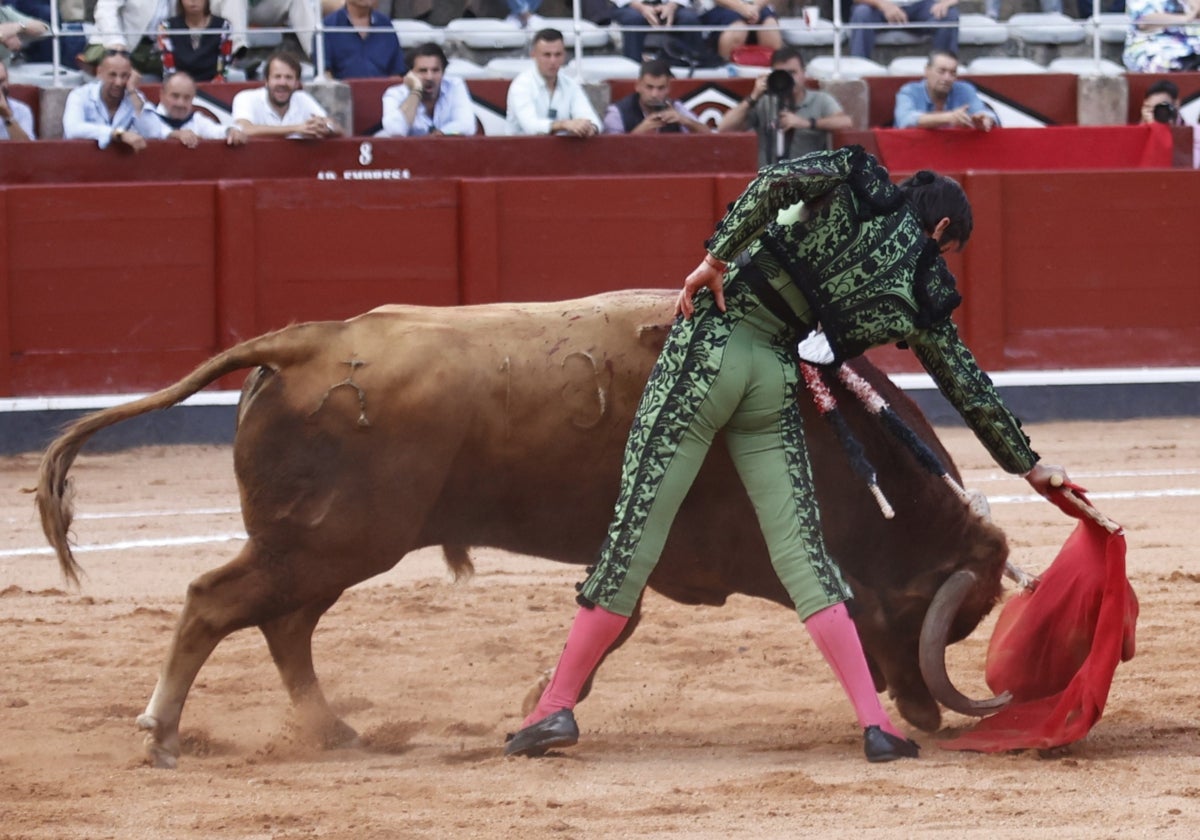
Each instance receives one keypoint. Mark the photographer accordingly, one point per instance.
(790, 119)
(650, 109)
(1161, 103)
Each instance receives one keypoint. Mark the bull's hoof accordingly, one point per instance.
(882, 746)
(158, 753)
(556, 730)
(921, 712)
(339, 735)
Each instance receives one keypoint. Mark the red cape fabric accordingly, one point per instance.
(1056, 649)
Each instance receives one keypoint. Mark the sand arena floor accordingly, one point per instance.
(711, 723)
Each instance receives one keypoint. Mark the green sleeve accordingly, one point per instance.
(776, 187)
(972, 394)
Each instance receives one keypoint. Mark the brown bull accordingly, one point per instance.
(503, 426)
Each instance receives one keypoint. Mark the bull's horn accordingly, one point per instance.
(934, 631)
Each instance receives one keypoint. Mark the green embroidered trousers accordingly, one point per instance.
(734, 371)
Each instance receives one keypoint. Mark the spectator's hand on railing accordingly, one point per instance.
(983, 121)
(235, 136)
(187, 137)
(575, 128)
(131, 139)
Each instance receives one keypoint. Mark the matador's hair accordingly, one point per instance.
(936, 197)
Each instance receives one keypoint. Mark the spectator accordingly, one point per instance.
(942, 101)
(110, 110)
(650, 109)
(428, 101)
(201, 54)
(733, 17)
(874, 12)
(181, 121)
(17, 30)
(279, 108)
(802, 121)
(16, 116)
(71, 16)
(543, 100)
(662, 15)
(297, 15)
(372, 50)
(1161, 104)
(1164, 36)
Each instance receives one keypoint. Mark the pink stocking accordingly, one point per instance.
(837, 638)
(592, 634)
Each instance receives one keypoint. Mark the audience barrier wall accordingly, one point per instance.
(123, 286)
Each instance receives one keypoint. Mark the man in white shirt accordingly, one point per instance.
(110, 110)
(428, 102)
(16, 119)
(182, 122)
(543, 100)
(280, 108)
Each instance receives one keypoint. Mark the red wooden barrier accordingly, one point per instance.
(124, 286)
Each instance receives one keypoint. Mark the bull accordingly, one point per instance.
(503, 425)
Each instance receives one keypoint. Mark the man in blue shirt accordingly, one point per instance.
(942, 101)
(371, 50)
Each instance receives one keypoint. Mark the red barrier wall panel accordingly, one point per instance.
(101, 273)
(565, 238)
(330, 249)
(1100, 269)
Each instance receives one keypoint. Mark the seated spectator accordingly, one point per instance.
(110, 110)
(71, 16)
(297, 15)
(1161, 104)
(543, 100)
(181, 121)
(1163, 36)
(790, 122)
(428, 102)
(874, 12)
(650, 108)
(372, 50)
(662, 15)
(280, 108)
(16, 116)
(17, 30)
(942, 100)
(201, 54)
(732, 17)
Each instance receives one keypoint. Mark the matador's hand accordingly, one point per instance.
(710, 274)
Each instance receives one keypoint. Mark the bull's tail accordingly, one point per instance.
(54, 491)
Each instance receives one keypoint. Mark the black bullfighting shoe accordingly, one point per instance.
(884, 746)
(555, 730)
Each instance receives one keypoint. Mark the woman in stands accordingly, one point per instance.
(1164, 35)
(203, 52)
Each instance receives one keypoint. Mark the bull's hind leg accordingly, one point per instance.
(239, 594)
(290, 639)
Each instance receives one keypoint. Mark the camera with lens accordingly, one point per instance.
(780, 83)
(657, 106)
(1166, 112)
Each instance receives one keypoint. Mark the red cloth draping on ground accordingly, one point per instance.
(1056, 648)
(1009, 149)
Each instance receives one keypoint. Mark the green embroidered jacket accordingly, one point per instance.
(869, 273)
